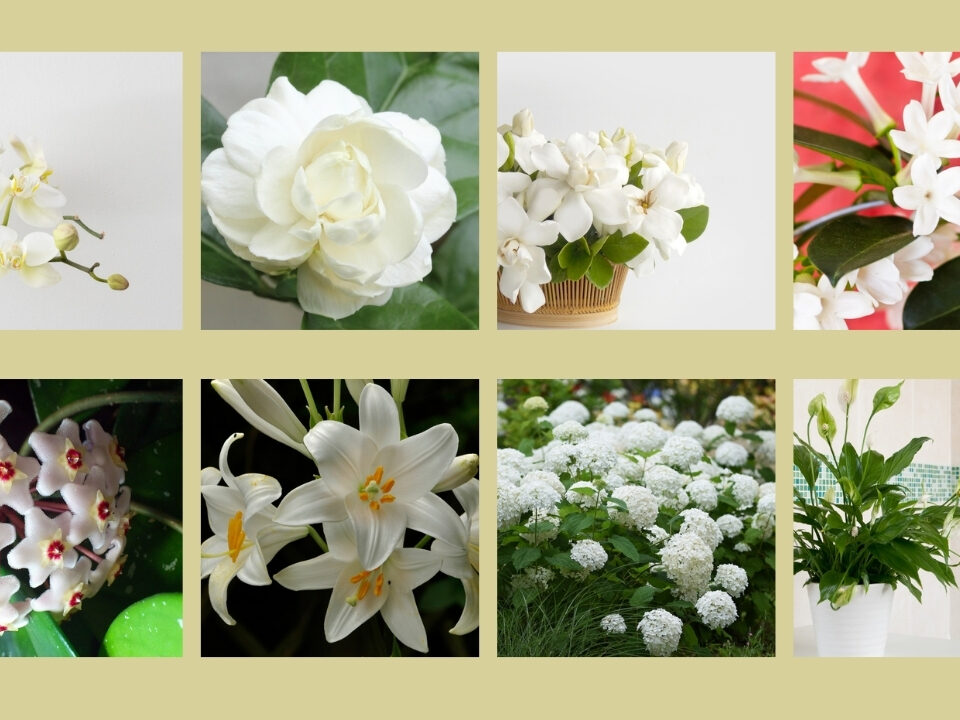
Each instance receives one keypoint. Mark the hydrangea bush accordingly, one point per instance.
(618, 517)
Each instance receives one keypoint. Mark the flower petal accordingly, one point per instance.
(319, 573)
(432, 516)
(378, 532)
(379, 418)
(418, 463)
(260, 405)
(309, 504)
(401, 615)
(339, 451)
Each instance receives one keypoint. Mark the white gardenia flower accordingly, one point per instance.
(847, 70)
(29, 256)
(824, 307)
(932, 195)
(525, 139)
(926, 137)
(928, 68)
(318, 182)
(520, 255)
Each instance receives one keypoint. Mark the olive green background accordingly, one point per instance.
(487, 686)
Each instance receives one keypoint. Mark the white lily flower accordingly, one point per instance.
(355, 387)
(879, 282)
(245, 536)
(461, 470)
(926, 137)
(928, 68)
(29, 257)
(462, 559)
(932, 195)
(847, 71)
(824, 307)
(261, 406)
(359, 593)
(520, 255)
(378, 481)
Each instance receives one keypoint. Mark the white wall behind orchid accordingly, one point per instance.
(722, 104)
(111, 128)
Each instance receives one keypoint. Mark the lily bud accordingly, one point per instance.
(66, 238)
(398, 388)
(462, 469)
(118, 282)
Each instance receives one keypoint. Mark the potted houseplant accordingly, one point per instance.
(573, 215)
(865, 536)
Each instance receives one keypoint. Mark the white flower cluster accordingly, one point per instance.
(593, 182)
(64, 517)
(736, 409)
(731, 578)
(588, 554)
(642, 507)
(717, 609)
(661, 632)
(613, 624)
(688, 561)
(570, 431)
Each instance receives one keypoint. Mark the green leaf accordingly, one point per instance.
(838, 109)
(219, 265)
(51, 395)
(642, 596)
(935, 304)
(562, 561)
(417, 307)
(152, 627)
(524, 556)
(212, 127)
(694, 221)
(468, 197)
(455, 267)
(852, 241)
(899, 461)
(809, 466)
(621, 248)
(625, 546)
(600, 272)
(575, 524)
(872, 163)
(575, 258)
(154, 473)
(886, 397)
(41, 637)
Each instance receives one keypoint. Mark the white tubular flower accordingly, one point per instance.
(879, 282)
(921, 136)
(462, 559)
(950, 97)
(847, 70)
(245, 536)
(30, 257)
(928, 68)
(261, 406)
(912, 261)
(319, 182)
(360, 593)
(824, 307)
(932, 195)
(520, 254)
(382, 483)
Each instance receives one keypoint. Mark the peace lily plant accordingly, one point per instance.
(29, 197)
(377, 511)
(579, 207)
(867, 530)
(849, 265)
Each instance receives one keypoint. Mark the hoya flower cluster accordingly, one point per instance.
(318, 183)
(372, 485)
(848, 266)
(682, 523)
(29, 196)
(64, 517)
(578, 207)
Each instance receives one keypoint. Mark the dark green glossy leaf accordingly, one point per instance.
(600, 272)
(809, 466)
(52, 395)
(455, 267)
(41, 637)
(219, 265)
(872, 163)
(152, 627)
(935, 304)
(154, 475)
(576, 258)
(621, 248)
(642, 596)
(694, 221)
(850, 242)
(625, 546)
(468, 197)
(899, 461)
(417, 307)
(212, 127)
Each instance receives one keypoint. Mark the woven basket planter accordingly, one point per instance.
(570, 304)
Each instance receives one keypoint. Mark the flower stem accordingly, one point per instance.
(311, 405)
(337, 410)
(426, 539)
(154, 514)
(801, 229)
(6, 213)
(78, 221)
(403, 425)
(88, 270)
(317, 539)
(123, 397)
(89, 553)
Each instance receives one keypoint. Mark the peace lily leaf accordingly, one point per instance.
(621, 248)
(212, 127)
(694, 221)
(417, 307)
(935, 304)
(850, 242)
(600, 272)
(152, 627)
(873, 165)
(51, 395)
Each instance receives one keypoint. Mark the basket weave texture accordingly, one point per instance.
(570, 298)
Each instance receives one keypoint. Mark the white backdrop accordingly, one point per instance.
(110, 125)
(722, 104)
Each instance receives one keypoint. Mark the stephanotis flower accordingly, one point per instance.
(824, 307)
(319, 182)
(932, 195)
(29, 256)
(378, 481)
(520, 254)
(928, 68)
(921, 136)
(245, 536)
(847, 71)
(360, 592)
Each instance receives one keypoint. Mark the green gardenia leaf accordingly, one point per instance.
(219, 265)
(576, 259)
(935, 304)
(51, 395)
(212, 127)
(694, 222)
(152, 627)
(621, 248)
(873, 164)
(850, 242)
(455, 274)
(417, 307)
(600, 272)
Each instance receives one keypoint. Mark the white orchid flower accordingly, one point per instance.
(824, 307)
(921, 136)
(34, 160)
(36, 203)
(520, 255)
(928, 68)
(932, 195)
(361, 592)
(847, 71)
(29, 257)
(462, 559)
(378, 481)
(245, 537)
(261, 406)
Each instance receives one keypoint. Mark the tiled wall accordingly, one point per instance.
(937, 482)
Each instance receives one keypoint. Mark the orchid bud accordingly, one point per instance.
(65, 237)
(118, 282)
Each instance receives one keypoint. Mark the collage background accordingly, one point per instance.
(155, 688)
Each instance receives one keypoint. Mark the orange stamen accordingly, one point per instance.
(374, 505)
(235, 535)
(387, 498)
(362, 590)
(359, 576)
(378, 586)
(388, 485)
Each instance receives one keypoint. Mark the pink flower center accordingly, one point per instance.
(75, 599)
(103, 510)
(74, 459)
(7, 471)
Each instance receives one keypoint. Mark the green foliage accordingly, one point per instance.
(935, 305)
(873, 163)
(152, 627)
(850, 242)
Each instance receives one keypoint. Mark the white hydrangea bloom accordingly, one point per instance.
(613, 624)
(742, 547)
(613, 480)
(730, 525)
(712, 433)
(730, 454)
(512, 465)
(716, 609)
(569, 410)
(766, 489)
(645, 437)
(736, 409)
(703, 494)
(766, 451)
(642, 507)
(535, 403)
(767, 502)
(542, 534)
(745, 490)
(570, 432)
(656, 534)
(595, 456)
(538, 493)
(667, 484)
(701, 524)
(731, 578)
(616, 410)
(508, 505)
(689, 428)
(589, 554)
(688, 561)
(630, 468)
(645, 414)
(586, 501)
(535, 576)
(681, 452)
(559, 457)
(661, 632)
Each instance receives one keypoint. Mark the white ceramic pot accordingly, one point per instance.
(859, 628)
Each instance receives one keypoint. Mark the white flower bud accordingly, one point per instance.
(462, 469)
(66, 238)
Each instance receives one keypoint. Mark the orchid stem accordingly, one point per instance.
(147, 511)
(317, 539)
(88, 270)
(311, 405)
(78, 221)
(801, 229)
(6, 213)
